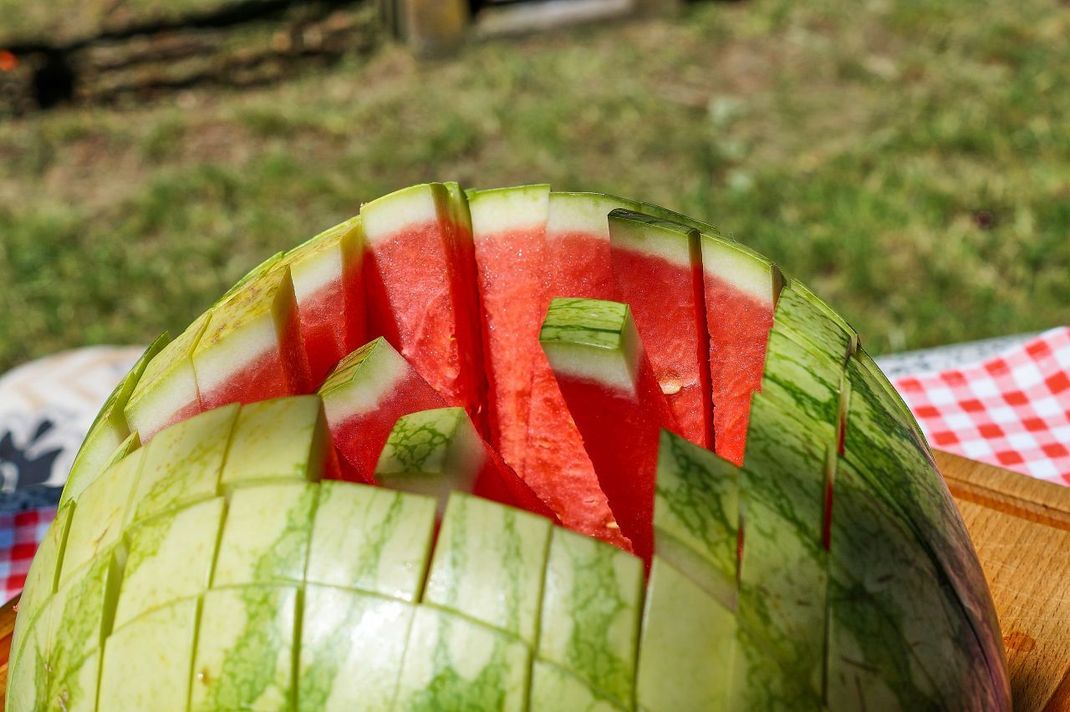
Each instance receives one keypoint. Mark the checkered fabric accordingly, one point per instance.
(19, 536)
(1012, 410)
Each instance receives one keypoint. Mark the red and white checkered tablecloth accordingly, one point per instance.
(1012, 410)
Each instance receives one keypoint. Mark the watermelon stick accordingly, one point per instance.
(611, 392)
(364, 396)
(658, 274)
(436, 452)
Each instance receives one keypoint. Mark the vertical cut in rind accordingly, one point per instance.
(807, 319)
(146, 666)
(285, 439)
(100, 514)
(658, 272)
(589, 626)
(28, 676)
(266, 534)
(415, 293)
(109, 431)
(554, 689)
(167, 391)
(488, 565)
(44, 570)
(371, 539)
(246, 650)
(696, 515)
(351, 650)
(183, 464)
(685, 659)
(251, 348)
(453, 664)
(169, 557)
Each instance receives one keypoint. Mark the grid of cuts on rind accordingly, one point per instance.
(286, 580)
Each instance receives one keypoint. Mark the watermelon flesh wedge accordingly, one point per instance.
(659, 275)
(326, 274)
(612, 394)
(251, 348)
(365, 395)
(415, 292)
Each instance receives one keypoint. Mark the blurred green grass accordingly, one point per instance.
(910, 161)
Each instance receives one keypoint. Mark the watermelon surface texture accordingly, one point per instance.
(508, 450)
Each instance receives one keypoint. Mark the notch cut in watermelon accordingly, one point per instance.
(659, 275)
(609, 386)
(326, 273)
(365, 395)
(416, 293)
(251, 348)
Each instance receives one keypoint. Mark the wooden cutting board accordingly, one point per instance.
(1021, 528)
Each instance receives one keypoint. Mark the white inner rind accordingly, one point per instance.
(749, 275)
(672, 246)
(583, 213)
(613, 368)
(496, 211)
(314, 271)
(386, 216)
(370, 383)
(215, 364)
(157, 404)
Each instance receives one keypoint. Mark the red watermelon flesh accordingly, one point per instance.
(251, 348)
(740, 299)
(508, 227)
(363, 399)
(659, 275)
(330, 302)
(614, 398)
(578, 257)
(415, 295)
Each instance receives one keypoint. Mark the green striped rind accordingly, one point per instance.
(885, 453)
(808, 320)
(458, 202)
(593, 323)
(783, 570)
(169, 557)
(696, 515)
(351, 650)
(371, 539)
(688, 646)
(44, 571)
(591, 605)
(897, 637)
(257, 454)
(255, 273)
(453, 664)
(488, 564)
(890, 398)
(266, 535)
(97, 524)
(147, 661)
(245, 649)
(803, 378)
(28, 675)
(352, 364)
(183, 463)
(554, 689)
(109, 431)
(76, 691)
(318, 242)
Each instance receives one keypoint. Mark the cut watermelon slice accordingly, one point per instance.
(327, 281)
(509, 227)
(369, 390)
(166, 393)
(415, 291)
(578, 264)
(609, 385)
(659, 275)
(436, 452)
(251, 348)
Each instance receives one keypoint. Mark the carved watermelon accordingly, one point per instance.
(508, 450)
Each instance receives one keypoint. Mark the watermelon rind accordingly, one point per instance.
(593, 340)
